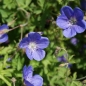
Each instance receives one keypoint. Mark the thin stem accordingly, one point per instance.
(14, 84)
(81, 78)
(22, 25)
(21, 33)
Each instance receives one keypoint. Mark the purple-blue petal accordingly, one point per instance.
(38, 54)
(27, 83)
(34, 36)
(62, 59)
(70, 32)
(37, 80)
(3, 38)
(69, 65)
(27, 72)
(24, 42)
(29, 53)
(74, 41)
(78, 13)
(80, 27)
(4, 26)
(68, 11)
(62, 21)
(43, 43)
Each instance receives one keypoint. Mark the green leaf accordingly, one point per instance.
(74, 76)
(27, 2)
(41, 3)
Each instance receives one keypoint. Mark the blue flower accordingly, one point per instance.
(83, 4)
(29, 79)
(3, 35)
(71, 21)
(34, 45)
(74, 41)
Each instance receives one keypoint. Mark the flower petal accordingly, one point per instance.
(74, 41)
(34, 36)
(37, 80)
(24, 43)
(78, 13)
(27, 83)
(27, 72)
(70, 32)
(29, 53)
(43, 42)
(80, 27)
(3, 38)
(62, 59)
(63, 22)
(38, 54)
(68, 11)
(4, 26)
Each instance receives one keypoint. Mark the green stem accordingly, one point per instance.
(8, 83)
(21, 33)
(81, 78)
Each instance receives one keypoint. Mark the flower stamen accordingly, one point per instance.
(32, 46)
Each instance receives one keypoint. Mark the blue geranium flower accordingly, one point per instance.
(29, 79)
(71, 21)
(3, 35)
(34, 45)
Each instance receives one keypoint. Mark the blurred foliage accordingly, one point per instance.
(40, 16)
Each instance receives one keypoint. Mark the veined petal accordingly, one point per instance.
(27, 72)
(3, 38)
(70, 32)
(63, 22)
(27, 83)
(78, 13)
(43, 42)
(4, 26)
(68, 11)
(38, 54)
(80, 27)
(24, 43)
(34, 36)
(29, 53)
(37, 80)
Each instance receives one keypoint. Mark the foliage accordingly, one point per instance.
(24, 16)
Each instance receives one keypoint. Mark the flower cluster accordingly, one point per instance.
(29, 79)
(71, 21)
(34, 45)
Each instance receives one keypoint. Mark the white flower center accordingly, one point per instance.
(32, 46)
(73, 20)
